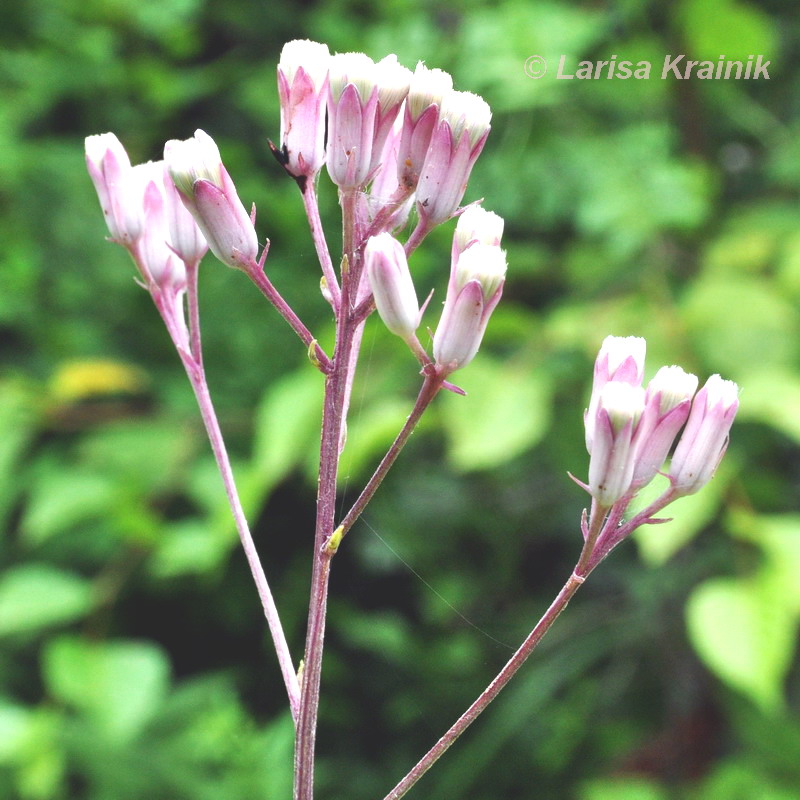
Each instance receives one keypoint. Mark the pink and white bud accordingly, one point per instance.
(621, 358)
(705, 438)
(352, 107)
(392, 286)
(393, 81)
(302, 89)
(619, 409)
(157, 255)
(185, 236)
(207, 191)
(475, 288)
(117, 189)
(457, 141)
(384, 189)
(426, 91)
(667, 403)
(476, 224)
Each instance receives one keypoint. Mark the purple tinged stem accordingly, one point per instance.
(194, 371)
(318, 235)
(259, 278)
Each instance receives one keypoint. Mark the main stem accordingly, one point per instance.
(332, 425)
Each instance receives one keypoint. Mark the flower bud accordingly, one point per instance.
(392, 286)
(425, 93)
(208, 192)
(621, 358)
(117, 189)
(393, 82)
(157, 254)
(705, 438)
(667, 403)
(619, 408)
(302, 89)
(352, 106)
(475, 288)
(476, 224)
(383, 190)
(455, 146)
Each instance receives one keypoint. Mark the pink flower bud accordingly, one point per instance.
(426, 90)
(185, 237)
(476, 224)
(156, 253)
(352, 106)
(705, 438)
(208, 192)
(302, 89)
(392, 286)
(393, 82)
(619, 408)
(475, 288)
(456, 143)
(667, 403)
(383, 190)
(621, 358)
(119, 194)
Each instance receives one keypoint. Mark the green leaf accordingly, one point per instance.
(62, 498)
(622, 789)
(744, 632)
(772, 397)
(716, 27)
(506, 411)
(118, 684)
(35, 596)
(287, 425)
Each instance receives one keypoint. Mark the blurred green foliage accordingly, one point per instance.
(133, 657)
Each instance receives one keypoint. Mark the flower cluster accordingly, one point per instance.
(477, 275)
(630, 430)
(399, 133)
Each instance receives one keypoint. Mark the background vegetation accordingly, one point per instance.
(133, 657)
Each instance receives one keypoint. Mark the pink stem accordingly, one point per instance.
(169, 311)
(318, 235)
(259, 278)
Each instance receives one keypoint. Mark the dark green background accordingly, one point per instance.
(133, 656)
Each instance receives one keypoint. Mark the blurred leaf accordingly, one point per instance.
(622, 789)
(745, 634)
(61, 499)
(35, 596)
(506, 411)
(188, 547)
(721, 27)
(688, 516)
(772, 397)
(118, 684)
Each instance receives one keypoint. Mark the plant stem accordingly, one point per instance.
(318, 235)
(430, 388)
(332, 424)
(259, 278)
(492, 690)
(192, 270)
(200, 387)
